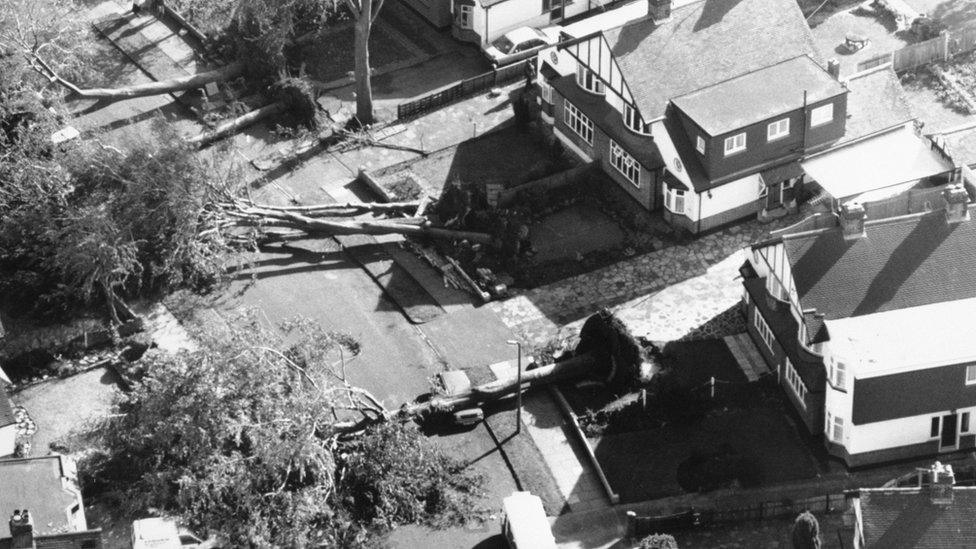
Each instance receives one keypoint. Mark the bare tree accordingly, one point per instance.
(366, 12)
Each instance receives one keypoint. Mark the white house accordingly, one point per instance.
(868, 326)
(481, 21)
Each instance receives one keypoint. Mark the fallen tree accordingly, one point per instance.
(309, 221)
(138, 90)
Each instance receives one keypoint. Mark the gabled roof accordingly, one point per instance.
(704, 43)
(904, 518)
(759, 95)
(902, 262)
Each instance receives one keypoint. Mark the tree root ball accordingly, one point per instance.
(607, 339)
(299, 100)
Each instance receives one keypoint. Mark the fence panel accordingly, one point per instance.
(962, 41)
(875, 61)
(915, 55)
(462, 89)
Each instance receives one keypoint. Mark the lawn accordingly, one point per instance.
(506, 155)
(330, 57)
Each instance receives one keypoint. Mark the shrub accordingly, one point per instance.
(658, 541)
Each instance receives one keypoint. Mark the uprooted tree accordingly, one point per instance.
(247, 437)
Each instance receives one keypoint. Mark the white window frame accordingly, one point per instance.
(734, 144)
(971, 374)
(838, 374)
(778, 130)
(465, 16)
(824, 114)
(700, 144)
(765, 332)
(836, 430)
(623, 162)
(633, 120)
(588, 80)
(776, 288)
(674, 196)
(578, 122)
(545, 91)
(796, 383)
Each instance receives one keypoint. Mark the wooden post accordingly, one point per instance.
(711, 388)
(631, 525)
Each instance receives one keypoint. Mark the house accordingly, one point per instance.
(481, 21)
(44, 504)
(699, 109)
(865, 321)
(934, 514)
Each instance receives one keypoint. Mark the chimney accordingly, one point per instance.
(941, 480)
(659, 10)
(852, 216)
(22, 530)
(957, 203)
(833, 68)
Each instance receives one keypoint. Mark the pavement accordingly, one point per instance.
(668, 294)
(830, 36)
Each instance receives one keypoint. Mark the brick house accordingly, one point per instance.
(700, 109)
(43, 503)
(865, 323)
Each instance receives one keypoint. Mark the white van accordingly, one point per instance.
(525, 525)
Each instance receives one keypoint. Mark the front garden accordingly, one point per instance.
(684, 432)
(550, 217)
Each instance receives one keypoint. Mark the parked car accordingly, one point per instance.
(524, 524)
(165, 533)
(521, 43)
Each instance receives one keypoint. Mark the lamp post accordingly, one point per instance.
(518, 391)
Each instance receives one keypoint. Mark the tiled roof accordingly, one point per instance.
(759, 95)
(901, 262)
(906, 518)
(36, 484)
(88, 539)
(875, 101)
(686, 152)
(704, 43)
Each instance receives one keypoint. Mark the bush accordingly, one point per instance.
(658, 541)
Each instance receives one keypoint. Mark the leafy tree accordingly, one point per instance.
(805, 533)
(83, 222)
(243, 438)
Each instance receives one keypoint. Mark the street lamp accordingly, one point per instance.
(518, 393)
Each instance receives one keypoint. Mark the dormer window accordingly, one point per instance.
(700, 144)
(588, 80)
(734, 144)
(634, 122)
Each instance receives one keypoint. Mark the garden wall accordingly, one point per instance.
(554, 181)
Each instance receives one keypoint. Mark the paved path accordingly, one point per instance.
(680, 292)
(560, 449)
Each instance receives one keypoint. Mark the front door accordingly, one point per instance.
(774, 196)
(950, 425)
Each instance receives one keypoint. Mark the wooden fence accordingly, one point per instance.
(461, 90)
(913, 201)
(913, 56)
(638, 527)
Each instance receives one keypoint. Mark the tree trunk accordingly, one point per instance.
(364, 86)
(289, 220)
(154, 88)
(231, 126)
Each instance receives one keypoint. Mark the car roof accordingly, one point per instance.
(522, 34)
